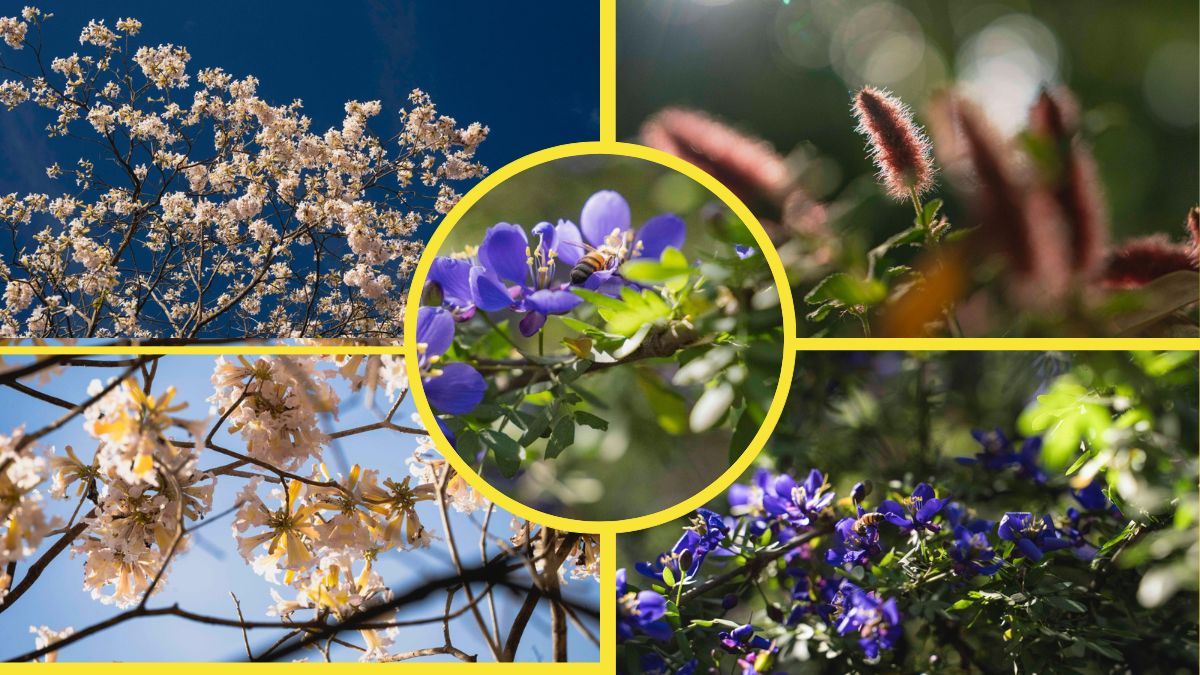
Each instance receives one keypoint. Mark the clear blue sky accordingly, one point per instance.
(528, 70)
(201, 579)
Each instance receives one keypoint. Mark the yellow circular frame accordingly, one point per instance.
(748, 455)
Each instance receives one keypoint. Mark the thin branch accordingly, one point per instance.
(754, 565)
(237, 605)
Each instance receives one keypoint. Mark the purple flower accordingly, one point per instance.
(702, 537)
(640, 612)
(743, 252)
(1096, 506)
(605, 224)
(505, 257)
(1074, 529)
(804, 502)
(684, 559)
(918, 510)
(711, 527)
(998, 453)
(817, 597)
(1033, 538)
(972, 553)
(856, 543)
(759, 662)
(757, 501)
(775, 501)
(876, 622)
(452, 277)
(742, 639)
(454, 388)
(1093, 499)
(861, 491)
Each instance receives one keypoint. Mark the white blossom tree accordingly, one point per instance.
(133, 502)
(198, 209)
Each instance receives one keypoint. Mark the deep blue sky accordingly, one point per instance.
(528, 70)
(202, 578)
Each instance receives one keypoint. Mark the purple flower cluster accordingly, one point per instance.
(778, 503)
(998, 453)
(875, 621)
(704, 536)
(532, 274)
(775, 508)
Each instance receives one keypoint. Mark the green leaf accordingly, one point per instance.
(668, 577)
(518, 418)
(930, 211)
(1066, 415)
(820, 312)
(562, 436)
(670, 267)
(913, 235)
(589, 420)
(1066, 604)
(1159, 364)
(1105, 650)
(600, 300)
(538, 424)
(601, 337)
(641, 308)
(572, 372)
(846, 291)
(468, 445)
(1083, 459)
(506, 451)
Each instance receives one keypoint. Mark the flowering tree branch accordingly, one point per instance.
(148, 499)
(201, 209)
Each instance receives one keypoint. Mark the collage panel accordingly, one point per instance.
(940, 512)
(940, 168)
(174, 174)
(469, 334)
(190, 507)
(600, 335)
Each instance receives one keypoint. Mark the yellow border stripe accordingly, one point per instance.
(993, 344)
(608, 600)
(608, 70)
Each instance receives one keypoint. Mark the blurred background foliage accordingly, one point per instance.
(647, 459)
(898, 419)
(785, 70)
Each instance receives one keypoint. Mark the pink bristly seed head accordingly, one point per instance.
(747, 165)
(898, 147)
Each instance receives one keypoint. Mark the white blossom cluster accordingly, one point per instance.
(313, 534)
(209, 211)
(23, 523)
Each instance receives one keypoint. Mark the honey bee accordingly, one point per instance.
(593, 261)
(866, 520)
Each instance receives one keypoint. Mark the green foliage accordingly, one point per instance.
(1126, 419)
